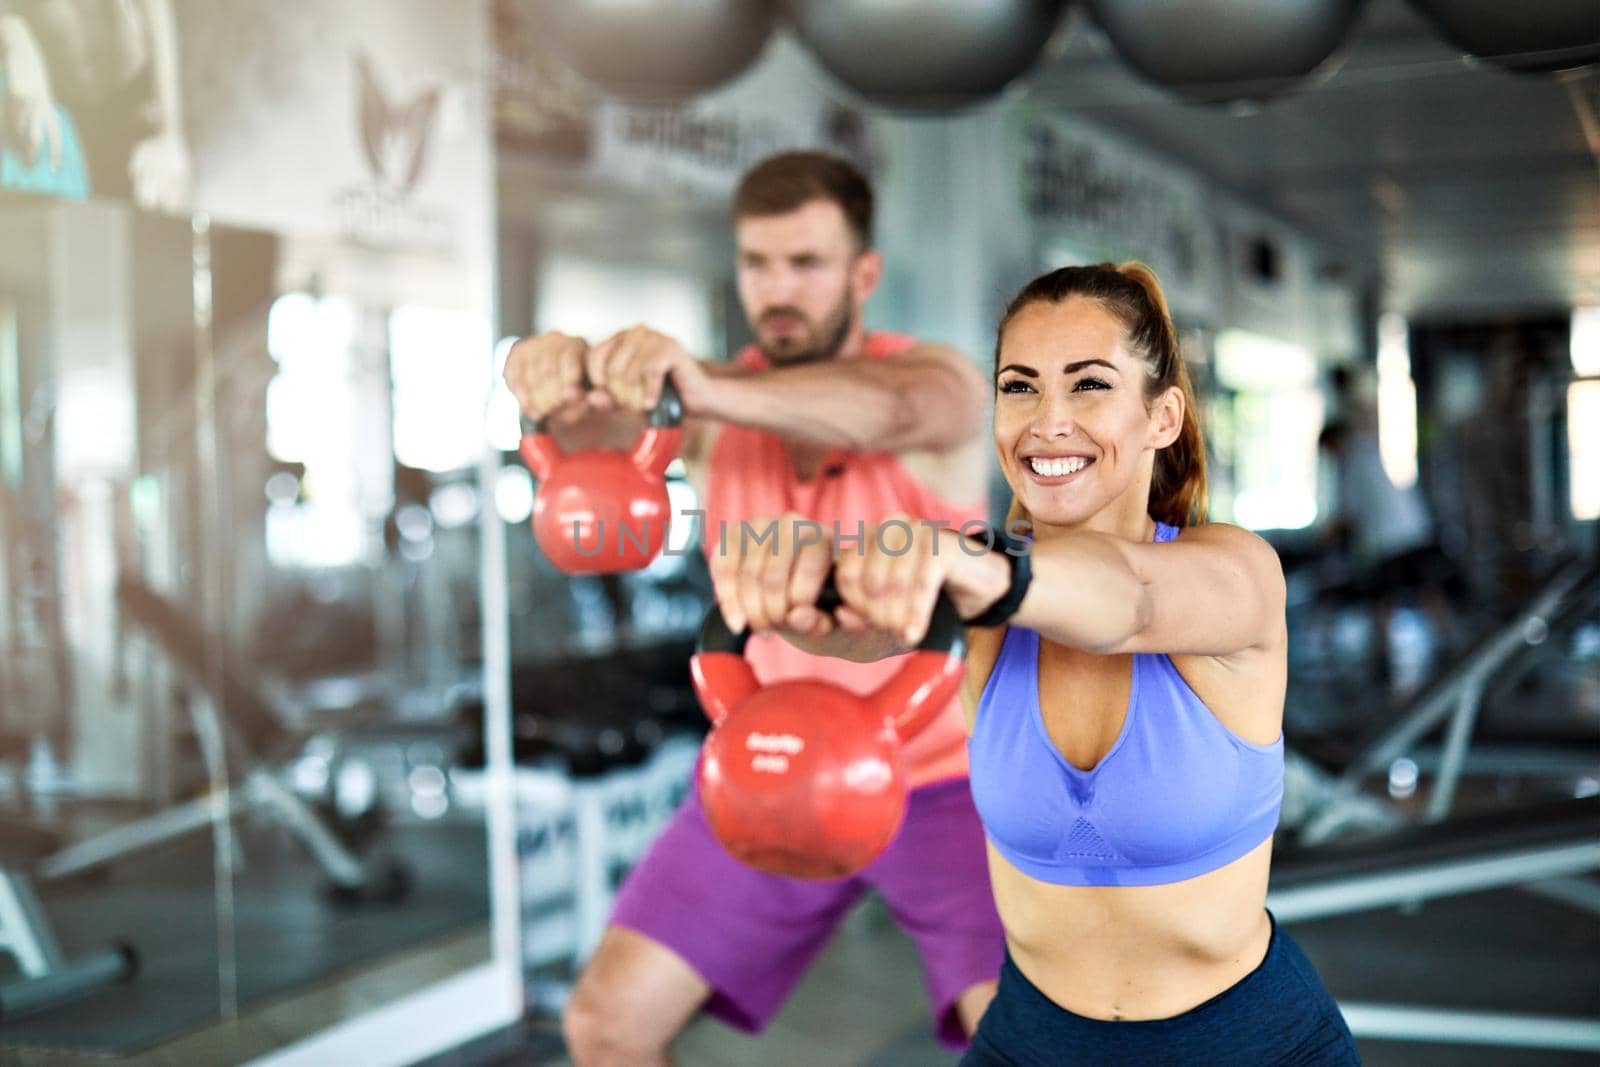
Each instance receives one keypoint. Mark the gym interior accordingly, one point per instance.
(310, 755)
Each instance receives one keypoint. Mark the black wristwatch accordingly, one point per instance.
(1018, 553)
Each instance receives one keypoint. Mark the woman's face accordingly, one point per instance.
(1073, 429)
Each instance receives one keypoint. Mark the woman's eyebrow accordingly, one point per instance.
(1073, 368)
(1070, 368)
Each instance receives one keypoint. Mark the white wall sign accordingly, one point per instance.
(1093, 196)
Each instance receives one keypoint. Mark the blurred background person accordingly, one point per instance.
(112, 67)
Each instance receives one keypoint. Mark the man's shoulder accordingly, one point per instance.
(881, 344)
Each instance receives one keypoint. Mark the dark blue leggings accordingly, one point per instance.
(1279, 1013)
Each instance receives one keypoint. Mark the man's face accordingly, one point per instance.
(802, 279)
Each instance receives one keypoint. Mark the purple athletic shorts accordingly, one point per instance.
(752, 935)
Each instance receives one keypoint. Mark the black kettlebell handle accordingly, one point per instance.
(946, 632)
(667, 414)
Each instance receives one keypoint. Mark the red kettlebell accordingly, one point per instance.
(805, 778)
(602, 510)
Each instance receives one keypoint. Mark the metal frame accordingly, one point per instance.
(1455, 700)
(48, 977)
(1573, 892)
(1550, 870)
(260, 789)
(24, 929)
(1389, 1022)
(1445, 878)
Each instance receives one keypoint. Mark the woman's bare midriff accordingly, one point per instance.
(1136, 952)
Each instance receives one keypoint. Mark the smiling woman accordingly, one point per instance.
(1126, 723)
(1124, 700)
(1087, 354)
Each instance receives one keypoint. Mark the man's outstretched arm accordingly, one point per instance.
(929, 398)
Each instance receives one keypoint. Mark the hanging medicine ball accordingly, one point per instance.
(655, 49)
(1226, 50)
(926, 55)
(1546, 36)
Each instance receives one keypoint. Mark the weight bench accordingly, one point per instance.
(48, 979)
(1500, 849)
(1542, 848)
(1335, 800)
(238, 709)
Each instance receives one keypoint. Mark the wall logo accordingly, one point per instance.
(396, 138)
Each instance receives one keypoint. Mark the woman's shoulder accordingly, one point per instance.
(1235, 547)
(1225, 535)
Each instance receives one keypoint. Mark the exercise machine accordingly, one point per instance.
(242, 719)
(1348, 850)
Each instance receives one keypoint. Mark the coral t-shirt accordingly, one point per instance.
(750, 476)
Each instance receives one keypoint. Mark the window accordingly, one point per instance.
(437, 367)
(1276, 416)
(1397, 402)
(594, 299)
(1583, 414)
(312, 420)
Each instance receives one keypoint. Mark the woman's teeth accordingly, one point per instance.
(1057, 468)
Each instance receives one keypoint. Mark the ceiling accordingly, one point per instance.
(1463, 190)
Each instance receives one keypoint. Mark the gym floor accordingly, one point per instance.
(288, 938)
(862, 1004)
(1506, 951)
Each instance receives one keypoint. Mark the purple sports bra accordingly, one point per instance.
(1178, 794)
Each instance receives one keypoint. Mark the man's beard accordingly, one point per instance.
(821, 343)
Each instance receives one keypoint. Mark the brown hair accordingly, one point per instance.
(1131, 292)
(783, 183)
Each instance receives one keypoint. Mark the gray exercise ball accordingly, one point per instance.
(655, 49)
(1547, 35)
(1226, 50)
(926, 55)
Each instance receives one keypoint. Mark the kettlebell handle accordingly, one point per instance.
(667, 414)
(912, 698)
(654, 450)
(946, 632)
